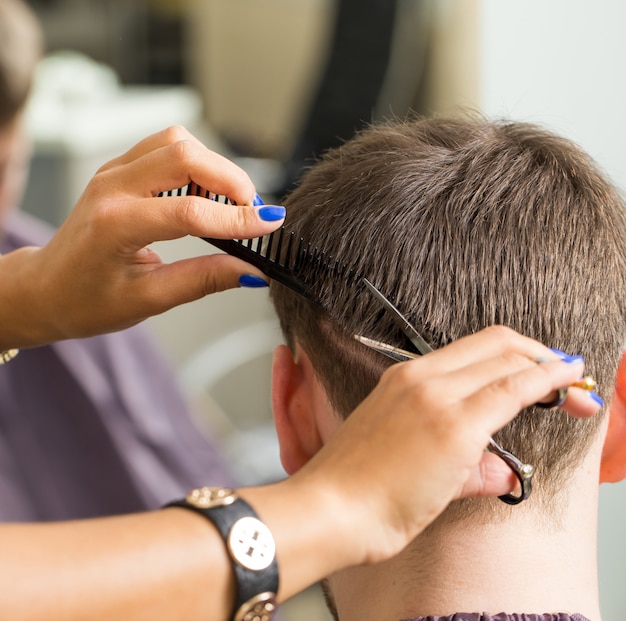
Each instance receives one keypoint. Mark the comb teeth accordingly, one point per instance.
(193, 189)
(280, 255)
(267, 254)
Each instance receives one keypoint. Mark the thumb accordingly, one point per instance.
(491, 477)
(183, 281)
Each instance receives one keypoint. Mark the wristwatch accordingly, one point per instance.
(250, 546)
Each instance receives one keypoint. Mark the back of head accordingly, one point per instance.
(20, 49)
(464, 223)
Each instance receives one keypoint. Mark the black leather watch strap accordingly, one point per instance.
(250, 546)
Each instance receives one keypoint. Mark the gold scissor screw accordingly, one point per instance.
(586, 383)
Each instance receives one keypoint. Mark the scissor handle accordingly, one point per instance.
(523, 472)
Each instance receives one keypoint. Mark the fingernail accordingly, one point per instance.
(596, 397)
(257, 200)
(566, 357)
(254, 282)
(272, 213)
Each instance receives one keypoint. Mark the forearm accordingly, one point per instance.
(167, 565)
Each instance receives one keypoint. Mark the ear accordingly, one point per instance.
(613, 464)
(294, 392)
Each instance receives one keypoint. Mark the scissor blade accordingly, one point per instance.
(395, 353)
(412, 334)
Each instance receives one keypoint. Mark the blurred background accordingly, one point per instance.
(271, 83)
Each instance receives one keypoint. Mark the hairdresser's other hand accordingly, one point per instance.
(418, 441)
(98, 274)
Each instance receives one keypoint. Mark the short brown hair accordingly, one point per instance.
(20, 50)
(465, 223)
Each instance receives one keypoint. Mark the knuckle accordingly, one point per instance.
(106, 166)
(401, 384)
(211, 283)
(503, 333)
(175, 133)
(447, 430)
(243, 218)
(109, 165)
(510, 385)
(188, 211)
(430, 393)
(513, 360)
(402, 373)
(98, 182)
(180, 151)
(101, 191)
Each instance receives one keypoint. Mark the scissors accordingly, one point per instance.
(523, 472)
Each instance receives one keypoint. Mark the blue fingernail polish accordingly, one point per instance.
(566, 357)
(558, 352)
(257, 200)
(596, 397)
(272, 213)
(573, 359)
(253, 282)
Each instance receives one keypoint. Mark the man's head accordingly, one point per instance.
(20, 49)
(464, 223)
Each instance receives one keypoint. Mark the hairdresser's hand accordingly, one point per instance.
(97, 274)
(417, 442)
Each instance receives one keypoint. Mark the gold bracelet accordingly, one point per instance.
(8, 355)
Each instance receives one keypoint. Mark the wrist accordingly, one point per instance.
(250, 547)
(360, 536)
(313, 529)
(22, 314)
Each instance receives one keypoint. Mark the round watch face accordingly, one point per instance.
(209, 497)
(251, 544)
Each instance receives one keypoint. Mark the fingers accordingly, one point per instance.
(171, 159)
(489, 342)
(494, 388)
(488, 367)
(495, 352)
(468, 378)
(190, 279)
(490, 478)
(99, 256)
(166, 161)
(500, 400)
(581, 403)
(168, 136)
(163, 218)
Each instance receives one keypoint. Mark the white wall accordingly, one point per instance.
(561, 63)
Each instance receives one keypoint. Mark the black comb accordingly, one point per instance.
(280, 255)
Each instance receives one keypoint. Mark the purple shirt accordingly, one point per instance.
(94, 426)
(476, 616)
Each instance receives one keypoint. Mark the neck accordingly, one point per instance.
(523, 562)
